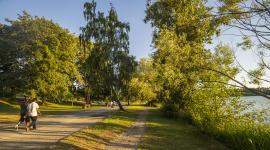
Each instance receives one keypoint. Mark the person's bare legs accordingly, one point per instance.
(17, 126)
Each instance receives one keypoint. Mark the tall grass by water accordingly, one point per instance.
(243, 133)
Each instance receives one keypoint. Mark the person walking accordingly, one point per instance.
(33, 110)
(23, 113)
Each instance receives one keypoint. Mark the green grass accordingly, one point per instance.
(9, 109)
(52, 108)
(98, 135)
(246, 135)
(162, 133)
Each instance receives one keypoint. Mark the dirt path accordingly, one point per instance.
(51, 128)
(130, 139)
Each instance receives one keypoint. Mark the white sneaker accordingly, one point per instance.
(17, 127)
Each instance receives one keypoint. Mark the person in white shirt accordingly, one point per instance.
(33, 110)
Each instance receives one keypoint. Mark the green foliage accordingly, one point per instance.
(246, 44)
(40, 55)
(170, 110)
(142, 86)
(256, 75)
(109, 66)
(194, 79)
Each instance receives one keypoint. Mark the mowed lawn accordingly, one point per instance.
(168, 134)
(99, 135)
(160, 133)
(9, 109)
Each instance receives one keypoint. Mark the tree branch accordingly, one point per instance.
(238, 82)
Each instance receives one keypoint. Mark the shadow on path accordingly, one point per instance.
(51, 128)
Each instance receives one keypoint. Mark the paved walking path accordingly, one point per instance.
(51, 128)
(131, 138)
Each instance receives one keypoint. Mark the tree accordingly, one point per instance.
(105, 70)
(39, 55)
(143, 84)
(184, 65)
(127, 68)
(252, 19)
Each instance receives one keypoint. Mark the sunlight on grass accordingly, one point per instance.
(100, 134)
(10, 109)
(162, 133)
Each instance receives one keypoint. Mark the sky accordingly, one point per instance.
(69, 14)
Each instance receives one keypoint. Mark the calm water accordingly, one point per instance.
(258, 103)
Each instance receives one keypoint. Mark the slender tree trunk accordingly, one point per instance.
(87, 97)
(120, 105)
(42, 100)
(116, 99)
(87, 100)
(128, 102)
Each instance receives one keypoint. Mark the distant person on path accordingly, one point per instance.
(112, 104)
(23, 113)
(33, 110)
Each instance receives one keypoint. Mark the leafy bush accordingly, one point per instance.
(170, 110)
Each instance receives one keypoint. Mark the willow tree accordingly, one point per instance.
(104, 69)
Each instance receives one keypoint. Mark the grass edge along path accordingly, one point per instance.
(131, 138)
(101, 134)
(10, 109)
(162, 133)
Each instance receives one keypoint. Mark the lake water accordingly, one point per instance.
(259, 103)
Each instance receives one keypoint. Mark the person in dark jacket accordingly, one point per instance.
(23, 113)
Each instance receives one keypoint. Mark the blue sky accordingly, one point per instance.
(69, 14)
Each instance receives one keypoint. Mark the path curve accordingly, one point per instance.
(131, 138)
(51, 128)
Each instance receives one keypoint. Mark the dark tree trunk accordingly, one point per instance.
(87, 101)
(120, 105)
(42, 100)
(128, 102)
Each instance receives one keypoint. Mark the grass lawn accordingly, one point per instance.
(9, 109)
(99, 135)
(162, 133)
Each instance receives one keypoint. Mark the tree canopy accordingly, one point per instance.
(109, 65)
(38, 55)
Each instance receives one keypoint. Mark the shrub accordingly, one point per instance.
(170, 110)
